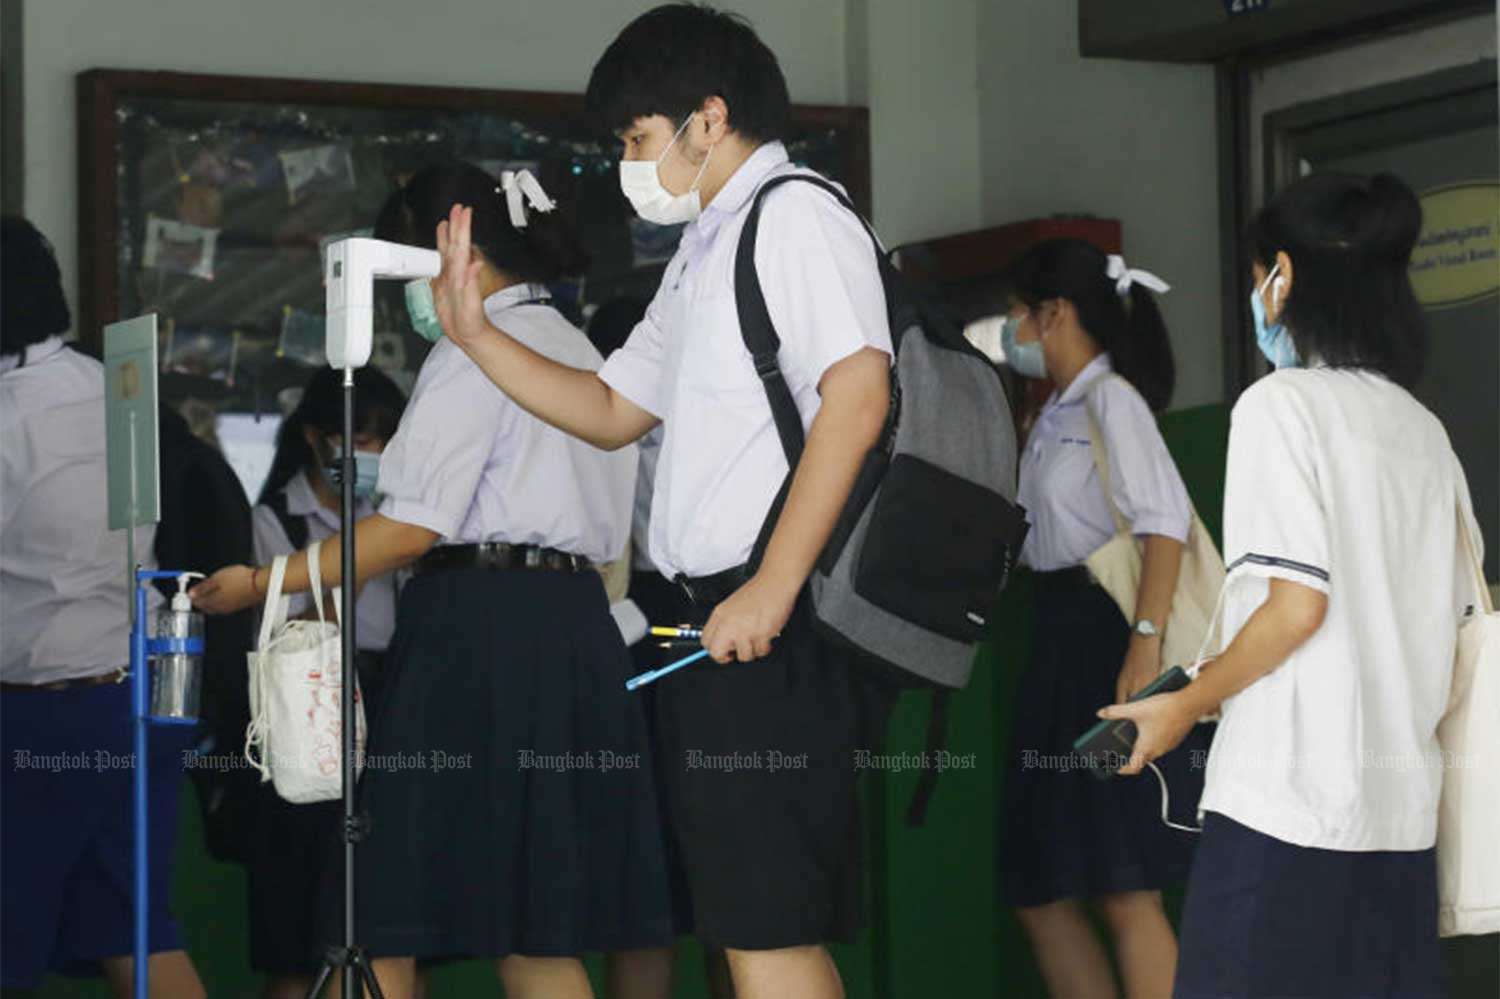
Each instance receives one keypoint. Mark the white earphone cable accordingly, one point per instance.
(1164, 801)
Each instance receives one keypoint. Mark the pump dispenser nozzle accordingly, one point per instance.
(180, 600)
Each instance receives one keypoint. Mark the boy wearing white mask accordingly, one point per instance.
(771, 851)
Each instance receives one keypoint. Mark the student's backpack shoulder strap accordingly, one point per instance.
(294, 526)
(756, 328)
(761, 340)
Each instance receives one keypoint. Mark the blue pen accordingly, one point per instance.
(641, 679)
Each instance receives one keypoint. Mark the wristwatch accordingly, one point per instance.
(1145, 629)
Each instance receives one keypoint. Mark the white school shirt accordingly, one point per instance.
(721, 461)
(64, 590)
(1341, 481)
(471, 465)
(375, 613)
(1059, 484)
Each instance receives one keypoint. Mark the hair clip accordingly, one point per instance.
(1126, 276)
(521, 189)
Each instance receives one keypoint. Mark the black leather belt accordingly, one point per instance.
(706, 592)
(1069, 580)
(499, 555)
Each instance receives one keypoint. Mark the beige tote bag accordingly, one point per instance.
(1117, 566)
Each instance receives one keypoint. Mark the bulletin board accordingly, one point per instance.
(209, 200)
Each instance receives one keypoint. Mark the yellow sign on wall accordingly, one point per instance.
(1457, 257)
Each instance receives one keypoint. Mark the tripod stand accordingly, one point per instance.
(349, 273)
(350, 957)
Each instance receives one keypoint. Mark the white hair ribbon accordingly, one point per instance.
(519, 183)
(1125, 276)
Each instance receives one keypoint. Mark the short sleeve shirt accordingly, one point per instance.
(471, 465)
(721, 461)
(1341, 481)
(1060, 486)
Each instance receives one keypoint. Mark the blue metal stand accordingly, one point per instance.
(141, 648)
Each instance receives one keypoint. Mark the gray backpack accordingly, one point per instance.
(931, 529)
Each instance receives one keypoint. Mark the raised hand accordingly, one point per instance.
(455, 291)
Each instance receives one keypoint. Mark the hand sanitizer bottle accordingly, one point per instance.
(177, 681)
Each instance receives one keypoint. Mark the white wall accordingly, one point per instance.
(521, 44)
(915, 64)
(1059, 134)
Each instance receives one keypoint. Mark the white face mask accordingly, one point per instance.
(641, 183)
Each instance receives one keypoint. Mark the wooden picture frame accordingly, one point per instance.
(164, 157)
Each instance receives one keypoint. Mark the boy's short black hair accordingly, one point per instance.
(32, 305)
(1350, 238)
(671, 59)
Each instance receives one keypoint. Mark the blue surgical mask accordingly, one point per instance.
(1273, 339)
(1024, 358)
(422, 310)
(366, 473)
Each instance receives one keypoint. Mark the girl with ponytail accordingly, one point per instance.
(524, 827)
(1353, 556)
(1090, 323)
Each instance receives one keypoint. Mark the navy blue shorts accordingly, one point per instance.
(1264, 918)
(66, 820)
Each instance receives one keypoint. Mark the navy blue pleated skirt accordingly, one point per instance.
(1264, 919)
(1063, 832)
(509, 785)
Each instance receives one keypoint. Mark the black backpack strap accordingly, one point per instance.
(937, 741)
(759, 334)
(294, 526)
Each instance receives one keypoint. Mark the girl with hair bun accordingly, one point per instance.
(1347, 529)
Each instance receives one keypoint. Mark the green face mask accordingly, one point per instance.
(423, 312)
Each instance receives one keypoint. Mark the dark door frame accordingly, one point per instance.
(1432, 103)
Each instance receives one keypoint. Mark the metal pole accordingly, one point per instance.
(352, 985)
(135, 504)
(139, 711)
(138, 667)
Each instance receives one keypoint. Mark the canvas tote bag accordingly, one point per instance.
(1116, 565)
(295, 736)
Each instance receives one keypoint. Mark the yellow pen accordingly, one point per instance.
(661, 631)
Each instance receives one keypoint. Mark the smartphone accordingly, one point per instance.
(1106, 747)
